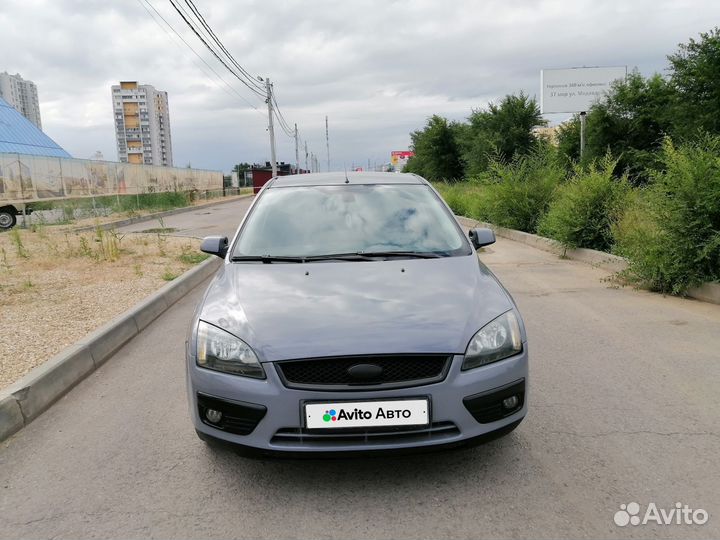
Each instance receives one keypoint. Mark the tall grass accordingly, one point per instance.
(586, 207)
(119, 204)
(463, 198)
(671, 234)
(513, 195)
(518, 193)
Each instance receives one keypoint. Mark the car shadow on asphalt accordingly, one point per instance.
(486, 461)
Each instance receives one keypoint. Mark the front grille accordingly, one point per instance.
(435, 432)
(389, 371)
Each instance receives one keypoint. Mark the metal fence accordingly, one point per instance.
(25, 178)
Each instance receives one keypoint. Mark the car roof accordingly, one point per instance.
(343, 178)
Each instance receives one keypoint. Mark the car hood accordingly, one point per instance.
(286, 311)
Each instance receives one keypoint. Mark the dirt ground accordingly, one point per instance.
(57, 285)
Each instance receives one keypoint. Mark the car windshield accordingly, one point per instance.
(313, 221)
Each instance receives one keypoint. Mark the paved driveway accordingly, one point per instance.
(222, 218)
(624, 407)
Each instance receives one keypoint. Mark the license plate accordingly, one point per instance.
(354, 414)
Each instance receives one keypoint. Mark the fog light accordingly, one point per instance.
(213, 416)
(511, 402)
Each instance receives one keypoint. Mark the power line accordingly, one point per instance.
(216, 39)
(214, 53)
(143, 2)
(265, 91)
(286, 129)
(281, 119)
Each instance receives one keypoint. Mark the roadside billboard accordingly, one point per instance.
(399, 158)
(574, 90)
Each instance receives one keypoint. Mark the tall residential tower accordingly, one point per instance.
(142, 124)
(22, 95)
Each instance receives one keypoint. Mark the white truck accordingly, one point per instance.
(26, 180)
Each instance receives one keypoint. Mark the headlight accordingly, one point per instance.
(496, 340)
(221, 351)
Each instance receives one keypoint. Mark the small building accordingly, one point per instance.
(261, 174)
(550, 133)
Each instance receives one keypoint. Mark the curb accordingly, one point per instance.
(26, 399)
(150, 217)
(708, 292)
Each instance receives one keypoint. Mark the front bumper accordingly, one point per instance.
(279, 430)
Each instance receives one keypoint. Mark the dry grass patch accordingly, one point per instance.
(56, 286)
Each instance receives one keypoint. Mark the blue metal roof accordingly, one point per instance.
(20, 136)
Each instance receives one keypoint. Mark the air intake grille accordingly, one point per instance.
(437, 431)
(388, 371)
(237, 417)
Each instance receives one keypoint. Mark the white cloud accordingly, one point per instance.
(378, 68)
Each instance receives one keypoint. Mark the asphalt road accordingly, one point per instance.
(624, 407)
(222, 218)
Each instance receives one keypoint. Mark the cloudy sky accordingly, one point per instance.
(377, 68)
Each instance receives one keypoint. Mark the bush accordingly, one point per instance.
(518, 193)
(671, 234)
(463, 198)
(584, 210)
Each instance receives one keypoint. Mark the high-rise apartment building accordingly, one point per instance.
(142, 124)
(22, 95)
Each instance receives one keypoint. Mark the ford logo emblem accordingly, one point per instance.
(365, 372)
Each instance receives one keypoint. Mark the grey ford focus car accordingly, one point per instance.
(352, 315)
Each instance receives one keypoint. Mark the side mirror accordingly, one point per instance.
(481, 237)
(215, 245)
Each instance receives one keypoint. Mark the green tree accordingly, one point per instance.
(241, 169)
(437, 155)
(695, 75)
(568, 136)
(630, 123)
(503, 130)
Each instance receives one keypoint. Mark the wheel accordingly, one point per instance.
(7, 219)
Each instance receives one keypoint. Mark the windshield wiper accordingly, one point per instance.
(370, 255)
(356, 256)
(403, 254)
(267, 259)
(353, 256)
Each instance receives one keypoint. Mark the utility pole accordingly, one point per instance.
(271, 129)
(306, 157)
(297, 155)
(327, 141)
(582, 134)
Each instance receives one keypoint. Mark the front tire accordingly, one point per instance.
(7, 219)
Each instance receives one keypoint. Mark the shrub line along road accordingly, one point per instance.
(623, 407)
